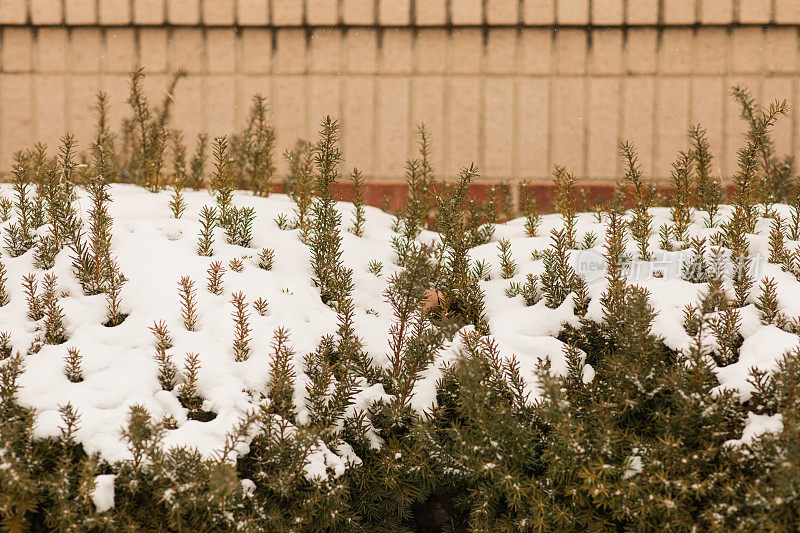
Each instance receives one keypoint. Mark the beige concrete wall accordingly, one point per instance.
(514, 85)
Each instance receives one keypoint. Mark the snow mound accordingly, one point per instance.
(155, 250)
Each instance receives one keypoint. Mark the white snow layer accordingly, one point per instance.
(103, 493)
(155, 250)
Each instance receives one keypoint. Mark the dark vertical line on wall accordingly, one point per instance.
(622, 94)
(516, 167)
(693, 75)
(793, 103)
(482, 144)
(586, 79)
(409, 77)
(33, 85)
(204, 81)
(550, 99)
(444, 141)
(309, 122)
(137, 46)
(657, 78)
(342, 80)
(241, 101)
(66, 80)
(723, 163)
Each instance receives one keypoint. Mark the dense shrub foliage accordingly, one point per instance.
(634, 436)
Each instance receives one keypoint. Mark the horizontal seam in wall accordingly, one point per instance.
(587, 27)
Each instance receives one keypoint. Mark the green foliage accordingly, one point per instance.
(198, 164)
(641, 195)
(566, 196)
(4, 297)
(241, 320)
(187, 294)
(266, 258)
(146, 134)
(529, 209)
(330, 275)
(167, 370)
(116, 279)
(680, 199)
(222, 182)
(54, 330)
(253, 150)
(771, 175)
(177, 203)
(72, 365)
(359, 212)
(205, 241)
(559, 278)
(508, 266)
(239, 228)
(709, 187)
(300, 185)
(215, 272)
(624, 434)
(458, 282)
(20, 238)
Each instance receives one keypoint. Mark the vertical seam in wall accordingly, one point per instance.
(241, 100)
(657, 78)
(309, 123)
(204, 80)
(550, 98)
(2, 110)
(67, 78)
(793, 100)
(445, 141)
(621, 92)
(376, 147)
(34, 86)
(343, 89)
(516, 167)
(410, 95)
(585, 78)
(763, 68)
(482, 144)
(693, 77)
(727, 72)
(273, 92)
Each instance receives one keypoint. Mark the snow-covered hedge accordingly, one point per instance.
(175, 360)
